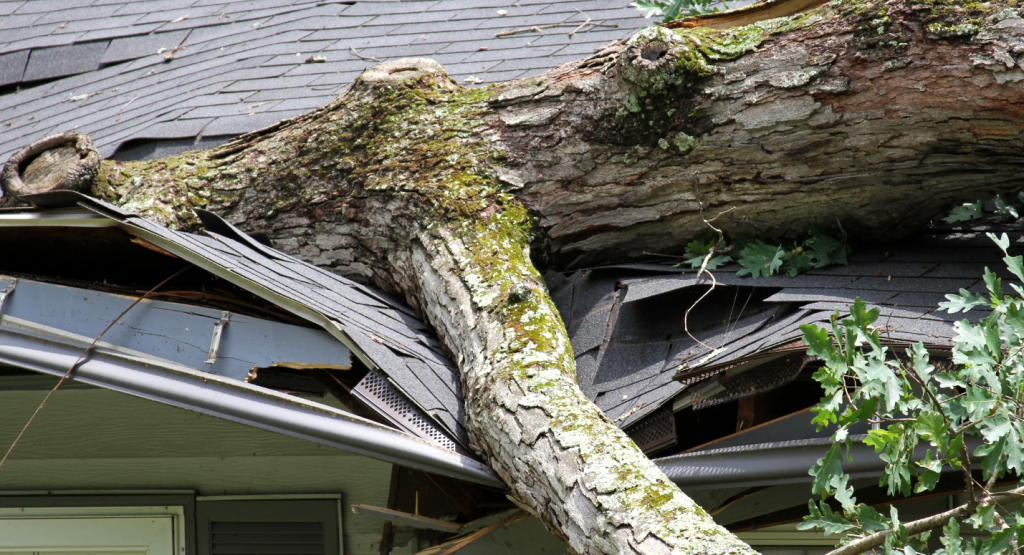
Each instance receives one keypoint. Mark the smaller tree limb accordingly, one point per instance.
(965, 457)
(913, 528)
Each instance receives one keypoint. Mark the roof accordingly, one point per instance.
(380, 331)
(48, 350)
(237, 66)
(626, 322)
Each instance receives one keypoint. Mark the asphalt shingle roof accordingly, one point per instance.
(241, 65)
(626, 322)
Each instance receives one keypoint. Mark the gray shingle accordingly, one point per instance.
(136, 47)
(281, 82)
(7, 8)
(12, 67)
(331, 67)
(458, 5)
(303, 104)
(44, 41)
(118, 32)
(42, 6)
(236, 125)
(64, 60)
(76, 14)
(117, 26)
(817, 295)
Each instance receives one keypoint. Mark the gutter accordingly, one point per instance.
(184, 387)
(765, 464)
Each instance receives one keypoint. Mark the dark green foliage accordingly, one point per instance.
(760, 259)
(674, 9)
(966, 212)
(1006, 208)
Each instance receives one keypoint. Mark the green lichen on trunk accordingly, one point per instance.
(164, 190)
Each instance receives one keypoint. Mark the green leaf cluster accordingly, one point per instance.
(923, 412)
(671, 10)
(1007, 208)
(760, 259)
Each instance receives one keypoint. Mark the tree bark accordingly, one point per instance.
(876, 115)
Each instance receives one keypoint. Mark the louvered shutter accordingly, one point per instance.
(267, 527)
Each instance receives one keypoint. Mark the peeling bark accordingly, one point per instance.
(876, 115)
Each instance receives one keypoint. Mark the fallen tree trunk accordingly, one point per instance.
(873, 115)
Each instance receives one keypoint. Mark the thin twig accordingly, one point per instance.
(704, 266)
(80, 358)
(576, 30)
(129, 103)
(740, 314)
(540, 28)
(358, 55)
(965, 458)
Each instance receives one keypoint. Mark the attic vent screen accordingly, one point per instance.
(655, 432)
(375, 390)
(267, 538)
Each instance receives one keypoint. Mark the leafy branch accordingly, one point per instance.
(759, 259)
(1005, 208)
(674, 9)
(978, 394)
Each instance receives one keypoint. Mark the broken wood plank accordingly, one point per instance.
(407, 519)
(447, 548)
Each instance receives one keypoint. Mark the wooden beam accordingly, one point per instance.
(407, 519)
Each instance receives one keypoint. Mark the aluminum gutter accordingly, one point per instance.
(59, 217)
(238, 402)
(764, 464)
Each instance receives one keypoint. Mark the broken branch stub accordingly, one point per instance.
(404, 72)
(65, 162)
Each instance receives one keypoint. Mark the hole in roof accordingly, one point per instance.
(150, 149)
(108, 259)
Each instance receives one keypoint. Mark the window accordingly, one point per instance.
(92, 530)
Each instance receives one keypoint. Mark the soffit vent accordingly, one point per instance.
(267, 538)
(758, 380)
(375, 390)
(655, 432)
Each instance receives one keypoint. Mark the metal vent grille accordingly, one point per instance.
(267, 538)
(375, 390)
(655, 432)
(752, 382)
